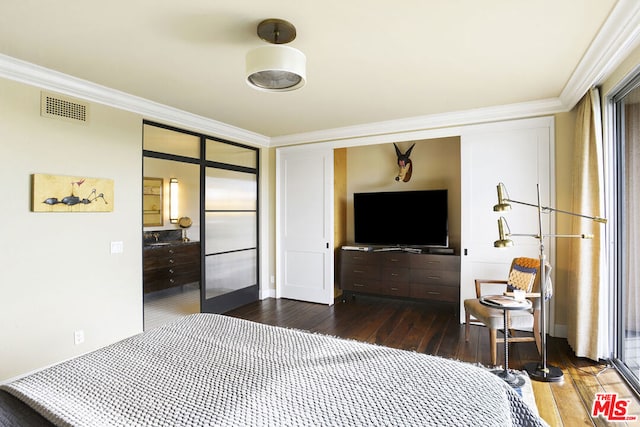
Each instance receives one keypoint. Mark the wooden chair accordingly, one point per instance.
(518, 319)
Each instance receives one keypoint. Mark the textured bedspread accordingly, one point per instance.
(213, 370)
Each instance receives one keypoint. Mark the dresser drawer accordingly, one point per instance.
(362, 284)
(394, 259)
(178, 271)
(170, 255)
(395, 289)
(436, 262)
(379, 288)
(436, 277)
(359, 258)
(434, 292)
(395, 274)
(356, 272)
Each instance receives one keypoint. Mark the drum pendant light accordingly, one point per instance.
(276, 68)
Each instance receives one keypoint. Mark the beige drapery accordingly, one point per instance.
(587, 302)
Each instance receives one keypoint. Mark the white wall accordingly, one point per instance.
(56, 271)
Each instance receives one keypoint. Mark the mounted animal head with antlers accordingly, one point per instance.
(404, 164)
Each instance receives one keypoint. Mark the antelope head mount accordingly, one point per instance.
(404, 164)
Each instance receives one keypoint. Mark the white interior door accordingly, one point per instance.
(304, 212)
(518, 154)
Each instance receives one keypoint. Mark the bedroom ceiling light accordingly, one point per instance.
(276, 68)
(173, 200)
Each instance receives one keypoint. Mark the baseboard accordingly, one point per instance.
(267, 293)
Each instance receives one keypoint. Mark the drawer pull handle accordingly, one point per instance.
(358, 271)
(433, 262)
(171, 261)
(433, 293)
(393, 259)
(394, 274)
(171, 270)
(172, 281)
(358, 285)
(170, 251)
(394, 289)
(433, 277)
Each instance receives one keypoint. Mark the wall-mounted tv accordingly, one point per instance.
(401, 218)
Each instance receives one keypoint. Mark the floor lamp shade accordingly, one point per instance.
(276, 68)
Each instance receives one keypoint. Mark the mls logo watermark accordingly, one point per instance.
(612, 408)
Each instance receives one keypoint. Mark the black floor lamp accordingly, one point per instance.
(537, 371)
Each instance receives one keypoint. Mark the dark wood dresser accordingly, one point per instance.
(432, 277)
(174, 264)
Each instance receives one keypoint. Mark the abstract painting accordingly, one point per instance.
(59, 193)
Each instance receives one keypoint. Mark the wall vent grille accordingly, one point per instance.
(60, 107)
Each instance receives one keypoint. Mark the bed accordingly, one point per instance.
(215, 370)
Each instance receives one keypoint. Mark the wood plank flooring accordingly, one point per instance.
(434, 329)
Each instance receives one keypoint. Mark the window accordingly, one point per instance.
(626, 114)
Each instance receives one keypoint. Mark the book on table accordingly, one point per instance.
(504, 301)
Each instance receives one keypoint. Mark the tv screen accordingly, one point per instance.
(401, 218)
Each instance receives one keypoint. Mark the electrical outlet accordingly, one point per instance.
(78, 337)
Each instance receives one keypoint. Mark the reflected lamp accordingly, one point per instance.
(173, 201)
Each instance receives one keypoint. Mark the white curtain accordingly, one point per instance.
(588, 306)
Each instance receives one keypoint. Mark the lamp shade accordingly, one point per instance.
(502, 204)
(502, 241)
(276, 68)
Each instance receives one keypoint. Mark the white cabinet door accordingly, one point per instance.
(519, 154)
(304, 212)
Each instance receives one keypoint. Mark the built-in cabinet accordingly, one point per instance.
(518, 153)
(431, 277)
(170, 265)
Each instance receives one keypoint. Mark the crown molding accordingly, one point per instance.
(412, 125)
(619, 35)
(35, 75)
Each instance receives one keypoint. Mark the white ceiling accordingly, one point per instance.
(368, 61)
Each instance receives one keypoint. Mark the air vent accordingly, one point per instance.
(61, 107)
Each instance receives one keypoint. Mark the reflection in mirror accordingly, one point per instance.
(152, 201)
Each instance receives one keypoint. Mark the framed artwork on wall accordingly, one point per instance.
(59, 193)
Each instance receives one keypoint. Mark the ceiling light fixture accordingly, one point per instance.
(276, 68)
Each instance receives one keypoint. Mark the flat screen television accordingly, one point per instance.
(401, 218)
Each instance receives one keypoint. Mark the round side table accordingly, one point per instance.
(506, 304)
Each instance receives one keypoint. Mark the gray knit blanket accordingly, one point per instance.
(214, 370)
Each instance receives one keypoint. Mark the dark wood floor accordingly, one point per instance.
(434, 329)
